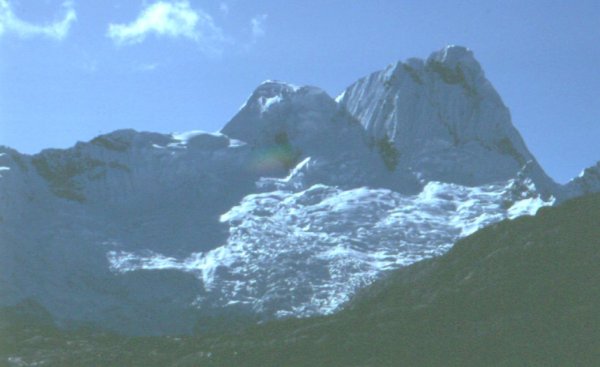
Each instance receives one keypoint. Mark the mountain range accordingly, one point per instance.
(300, 201)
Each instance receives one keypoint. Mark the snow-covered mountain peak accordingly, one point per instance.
(277, 113)
(443, 119)
(456, 65)
(270, 89)
(452, 56)
(273, 83)
(272, 92)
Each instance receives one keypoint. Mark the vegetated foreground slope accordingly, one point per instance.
(521, 292)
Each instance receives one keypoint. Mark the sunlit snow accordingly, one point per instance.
(306, 252)
(265, 103)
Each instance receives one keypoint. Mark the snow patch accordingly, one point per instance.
(186, 136)
(294, 180)
(266, 103)
(235, 143)
(528, 206)
(122, 261)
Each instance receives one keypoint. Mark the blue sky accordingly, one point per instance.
(70, 70)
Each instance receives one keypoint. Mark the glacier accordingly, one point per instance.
(305, 253)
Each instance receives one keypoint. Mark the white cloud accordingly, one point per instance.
(171, 19)
(10, 23)
(258, 26)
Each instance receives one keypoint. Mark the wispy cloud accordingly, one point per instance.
(58, 30)
(258, 26)
(170, 19)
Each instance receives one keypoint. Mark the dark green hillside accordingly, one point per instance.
(519, 293)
